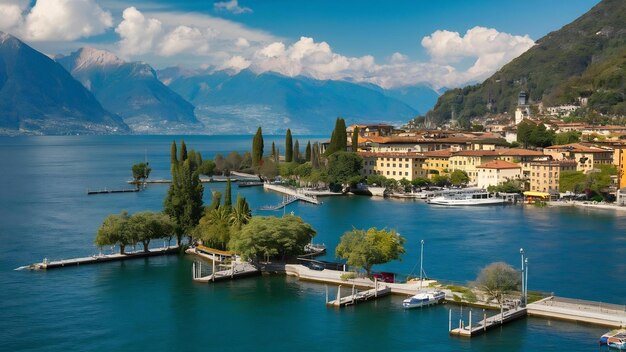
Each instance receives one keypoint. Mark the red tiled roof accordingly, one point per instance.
(578, 148)
(518, 152)
(499, 164)
(438, 153)
(392, 154)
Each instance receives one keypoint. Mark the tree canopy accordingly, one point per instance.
(364, 249)
(288, 147)
(125, 230)
(257, 148)
(141, 171)
(342, 166)
(498, 279)
(338, 139)
(459, 177)
(267, 236)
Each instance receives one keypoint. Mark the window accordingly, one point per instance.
(406, 174)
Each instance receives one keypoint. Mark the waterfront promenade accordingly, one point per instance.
(580, 311)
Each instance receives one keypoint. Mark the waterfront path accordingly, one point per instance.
(579, 310)
(589, 205)
(292, 192)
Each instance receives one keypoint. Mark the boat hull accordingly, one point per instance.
(466, 202)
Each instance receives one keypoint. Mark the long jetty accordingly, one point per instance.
(291, 192)
(487, 323)
(357, 296)
(94, 259)
(580, 311)
(107, 191)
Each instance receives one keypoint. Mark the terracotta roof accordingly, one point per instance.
(438, 153)
(499, 164)
(578, 148)
(476, 153)
(518, 152)
(392, 154)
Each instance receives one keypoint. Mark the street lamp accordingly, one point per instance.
(526, 283)
(521, 252)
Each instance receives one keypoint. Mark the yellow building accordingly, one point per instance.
(545, 175)
(393, 165)
(468, 160)
(437, 162)
(586, 157)
(621, 167)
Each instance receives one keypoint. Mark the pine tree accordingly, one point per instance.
(307, 151)
(173, 152)
(257, 148)
(228, 202)
(288, 147)
(355, 139)
(296, 151)
(183, 151)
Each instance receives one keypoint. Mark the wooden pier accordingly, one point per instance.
(107, 191)
(292, 192)
(236, 270)
(94, 259)
(357, 296)
(487, 323)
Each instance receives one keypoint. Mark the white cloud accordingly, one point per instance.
(61, 20)
(11, 14)
(235, 63)
(231, 6)
(138, 33)
(184, 39)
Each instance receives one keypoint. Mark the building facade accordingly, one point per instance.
(394, 165)
(586, 157)
(545, 175)
(496, 172)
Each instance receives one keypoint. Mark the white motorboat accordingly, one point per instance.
(424, 299)
(465, 197)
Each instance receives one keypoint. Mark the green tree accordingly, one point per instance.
(567, 137)
(572, 181)
(241, 213)
(364, 249)
(288, 147)
(173, 152)
(216, 199)
(147, 226)
(406, 185)
(141, 171)
(114, 230)
(296, 151)
(541, 137)
(269, 169)
(315, 156)
(183, 151)
(498, 279)
(524, 130)
(459, 177)
(510, 186)
(420, 182)
(233, 161)
(183, 202)
(267, 236)
(214, 228)
(228, 197)
(342, 166)
(273, 150)
(355, 139)
(207, 168)
(307, 152)
(338, 139)
(257, 148)
(441, 180)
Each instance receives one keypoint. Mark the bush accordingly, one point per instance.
(348, 276)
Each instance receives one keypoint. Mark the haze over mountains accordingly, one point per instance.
(93, 91)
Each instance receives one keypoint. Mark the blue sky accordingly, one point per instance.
(390, 43)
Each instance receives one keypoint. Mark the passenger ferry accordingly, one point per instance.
(466, 197)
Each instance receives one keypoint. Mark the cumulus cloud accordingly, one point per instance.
(138, 33)
(231, 6)
(54, 20)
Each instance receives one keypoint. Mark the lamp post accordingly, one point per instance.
(526, 283)
(421, 263)
(521, 252)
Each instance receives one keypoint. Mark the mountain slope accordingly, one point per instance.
(131, 90)
(241, 102)
(584, 58)
(38, 96)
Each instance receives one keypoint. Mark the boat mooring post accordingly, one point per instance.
(326, 293)
(484, 320)
(469, 326)
(449, 319)
(213, 272)
(338, 300)
(376, 287)
(193, 270)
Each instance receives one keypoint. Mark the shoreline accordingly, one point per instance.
(588, 205)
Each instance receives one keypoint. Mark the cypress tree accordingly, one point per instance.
(173, 152)
(338, 139)
(288, 147)
(315, 156)
(273, 150)
(183, 151)
(296, 151)
(355, 139)
(307, 152)
(257, 148)
(277, 156)
(228, 202)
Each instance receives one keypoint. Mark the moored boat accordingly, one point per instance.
(466, 197)
(249, 183)
(424, 299)
(614, 339)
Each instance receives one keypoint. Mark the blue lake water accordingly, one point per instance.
(153, 304)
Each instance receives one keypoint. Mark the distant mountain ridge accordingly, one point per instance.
(132, 90)
(38, 96)
(586, 58)
(245, 100)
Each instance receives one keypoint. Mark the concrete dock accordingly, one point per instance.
(236, 270)
(94, 259)
(579, 311)
(380, 290)
(300, 195)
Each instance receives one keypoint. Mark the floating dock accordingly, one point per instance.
(94, 259)
(236, 270)
(486, 324)
(598, 313)
(357, 296)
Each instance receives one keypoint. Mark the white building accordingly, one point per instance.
(496, 172)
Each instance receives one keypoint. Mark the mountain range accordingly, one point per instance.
(241, 102)
(131, 90)
(38, 96)
(93, 91)
(586, 58)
